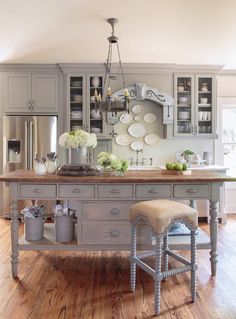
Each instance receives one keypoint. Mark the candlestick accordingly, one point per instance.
(109, 91)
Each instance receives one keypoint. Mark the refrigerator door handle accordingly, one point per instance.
(30, 145)
(26, 146)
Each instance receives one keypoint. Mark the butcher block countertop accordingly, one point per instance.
(130, 177)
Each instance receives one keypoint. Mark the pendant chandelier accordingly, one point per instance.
(110, 103)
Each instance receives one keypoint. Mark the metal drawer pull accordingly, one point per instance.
(37, 191)
(115, 211)
(192, 190)
(153, 191)
(115, 191)
(76, 190)
(115, 233)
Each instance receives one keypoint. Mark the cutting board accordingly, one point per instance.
(170, 172)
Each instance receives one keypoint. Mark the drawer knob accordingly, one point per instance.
(115, 233)
(37, 191)
(115, 211)
(115, 191)
(192, 190)
(153, 191)
(76, 191)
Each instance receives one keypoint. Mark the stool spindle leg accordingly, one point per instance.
(133, 255)
(157, 286)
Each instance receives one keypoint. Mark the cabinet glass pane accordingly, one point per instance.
(204, 99)
(184, 105)
(95, 117)
(76, 103)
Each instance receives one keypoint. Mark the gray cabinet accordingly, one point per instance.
(195, 105)
(30, 92)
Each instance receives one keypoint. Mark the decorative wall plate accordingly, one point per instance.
(151, 139)
(137, 109)
(136, 130)
(149, 117)
(125, 118)
(136, 146)
(123, 139)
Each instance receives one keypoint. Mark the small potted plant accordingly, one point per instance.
(188, 155)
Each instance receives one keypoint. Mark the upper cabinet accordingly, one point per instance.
(82, 111)
(195, 105)
(30, 92)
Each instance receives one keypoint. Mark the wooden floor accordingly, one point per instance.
(72, 285)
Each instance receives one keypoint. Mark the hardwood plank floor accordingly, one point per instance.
(84, 285)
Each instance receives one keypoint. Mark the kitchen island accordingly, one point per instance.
(102, 204)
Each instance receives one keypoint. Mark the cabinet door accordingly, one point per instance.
(102, 146)
(96, 119)
(45, 93)
(205, 100)
(184, 105)
(76, 99)
(17, 92)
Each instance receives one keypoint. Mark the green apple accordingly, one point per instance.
(185, 166)
(178, 167)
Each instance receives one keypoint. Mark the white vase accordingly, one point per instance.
(95, 81)
(78, 156)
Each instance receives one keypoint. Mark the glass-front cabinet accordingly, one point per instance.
(195, 105)
(83, 112)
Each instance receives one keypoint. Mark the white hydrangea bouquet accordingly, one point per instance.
(78, 138)
(111, 162)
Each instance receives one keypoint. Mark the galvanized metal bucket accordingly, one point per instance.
(64, 228)
(34, 228)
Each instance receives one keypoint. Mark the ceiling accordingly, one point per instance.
(150, 31)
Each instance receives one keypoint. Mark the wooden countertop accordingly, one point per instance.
(130, 177)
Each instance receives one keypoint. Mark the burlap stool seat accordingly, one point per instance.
(161, 215)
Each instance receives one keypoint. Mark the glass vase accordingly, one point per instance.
(78, 156)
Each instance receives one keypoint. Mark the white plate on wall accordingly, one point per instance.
(137, 109)
(125, 118)
(136, 130)
(123, 139)
(136, 146)
(149, 117)
(151, 139)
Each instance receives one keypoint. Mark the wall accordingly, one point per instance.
(226, 97)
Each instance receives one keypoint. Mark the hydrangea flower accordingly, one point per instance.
(78, 138)
(111, 161)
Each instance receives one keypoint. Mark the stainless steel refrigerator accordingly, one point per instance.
(23, 138)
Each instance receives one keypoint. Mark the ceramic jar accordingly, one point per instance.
(51, 166)
(95, 81)
(180, 87)
(204, 87)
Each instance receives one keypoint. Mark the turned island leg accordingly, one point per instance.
(213, 235)
(14, 232)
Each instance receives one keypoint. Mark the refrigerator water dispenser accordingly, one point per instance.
(13, 151)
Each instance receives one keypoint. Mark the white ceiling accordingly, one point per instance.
(150, 31)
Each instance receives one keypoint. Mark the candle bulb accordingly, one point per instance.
(109, 91)
(126, 92)
(99, 97)
(96, 93)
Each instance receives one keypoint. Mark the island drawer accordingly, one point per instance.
(32, 191)
(109, 233)
(77, 191)
(191, 191)
(115, 190)
(115, 210)
(153, 191)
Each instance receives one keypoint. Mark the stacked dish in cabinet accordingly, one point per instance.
(204, 99)
(76, 102)
(184, 104)
(96, 116)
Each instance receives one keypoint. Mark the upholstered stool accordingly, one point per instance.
(161, 215)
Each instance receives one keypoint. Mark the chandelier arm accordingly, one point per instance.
(121, 68)
(107, 65)
(110, 64)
